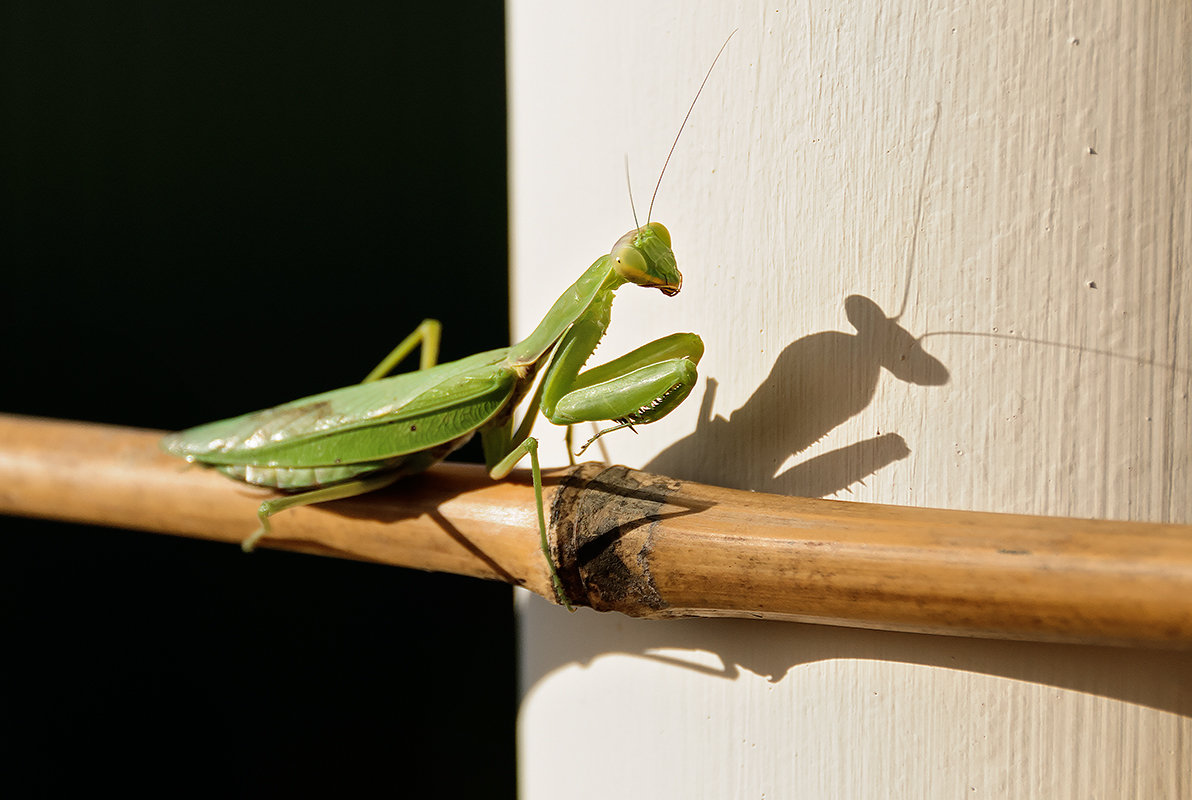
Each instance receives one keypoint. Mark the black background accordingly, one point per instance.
(207, 209)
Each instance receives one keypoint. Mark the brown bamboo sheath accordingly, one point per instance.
(651, 546)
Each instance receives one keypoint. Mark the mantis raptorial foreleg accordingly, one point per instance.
(677, 345)
(639, 387)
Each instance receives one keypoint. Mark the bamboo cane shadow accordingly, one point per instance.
(817, 383)
(775, 651)
(422, 494)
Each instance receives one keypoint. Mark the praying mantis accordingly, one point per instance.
(363, 437)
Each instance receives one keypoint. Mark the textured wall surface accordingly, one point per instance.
(940, 257)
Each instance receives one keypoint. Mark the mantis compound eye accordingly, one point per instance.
(630, 263)
(660, 231)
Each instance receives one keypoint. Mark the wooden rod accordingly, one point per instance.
(656, 547)
(450, 519)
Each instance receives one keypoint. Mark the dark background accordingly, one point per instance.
(207, 209)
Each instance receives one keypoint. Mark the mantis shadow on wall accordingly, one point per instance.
(816, 383)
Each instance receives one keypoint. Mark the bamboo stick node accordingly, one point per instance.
(601, 533)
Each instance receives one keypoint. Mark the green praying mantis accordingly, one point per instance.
(363, 437)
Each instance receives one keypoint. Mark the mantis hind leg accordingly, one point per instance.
(337, 492)
(426, 334)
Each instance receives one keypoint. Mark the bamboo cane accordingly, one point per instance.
(651, 546)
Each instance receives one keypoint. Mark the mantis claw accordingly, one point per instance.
(250, 544)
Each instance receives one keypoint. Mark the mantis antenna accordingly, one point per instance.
(629, 185)
(680, 133)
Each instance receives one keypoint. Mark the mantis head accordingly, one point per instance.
(643, 256)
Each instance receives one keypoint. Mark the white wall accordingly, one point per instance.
(1020, 172)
